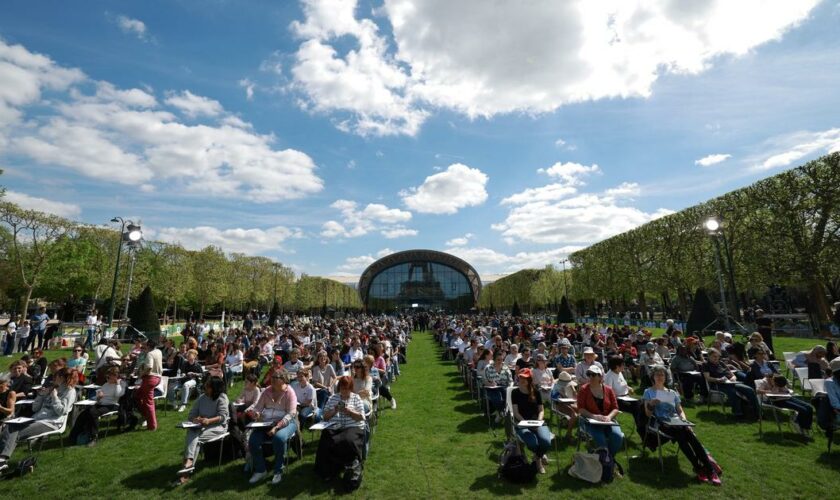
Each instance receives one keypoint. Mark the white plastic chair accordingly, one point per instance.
(801, 373)
(789, 357)
(163, 386)
(817, 385)
(43, 437)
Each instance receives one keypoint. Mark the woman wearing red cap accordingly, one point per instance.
(527, 405)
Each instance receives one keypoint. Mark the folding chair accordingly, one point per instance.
(801, 374)
(775, 410)
(789, 357)
(45, 435)
(653, 426)
(163, 387)
(510, 427)
(110, 415)
(714, 394)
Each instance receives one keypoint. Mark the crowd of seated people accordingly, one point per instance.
(587, 368)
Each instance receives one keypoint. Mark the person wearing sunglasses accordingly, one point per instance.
(278, 406)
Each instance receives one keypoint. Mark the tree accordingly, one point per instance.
(34, 238)
(209, 267)
(275, 313)
(516, 312)
(144, 315)
(565, 314)
(704, 313)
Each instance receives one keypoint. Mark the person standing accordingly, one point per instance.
(150, 372)
(11, 328)
(38, 322)
(765, 328)
(90, 327)
(22, 336)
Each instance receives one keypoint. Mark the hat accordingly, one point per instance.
(278, 359)
(691, 340)
(588, 350)
(541, 357)
(649, 346)
(594, 370)
(565, 342)
(564, 376)
(727, 335)
(526, 373)
(834, 365)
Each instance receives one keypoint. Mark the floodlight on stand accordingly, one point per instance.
(135, 233)
(712, 225)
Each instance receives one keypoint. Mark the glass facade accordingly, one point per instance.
(424, 285)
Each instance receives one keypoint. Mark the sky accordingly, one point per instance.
(328, 133)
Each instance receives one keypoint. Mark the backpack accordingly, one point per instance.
(586, 466)
(607, 465)
(514, 467)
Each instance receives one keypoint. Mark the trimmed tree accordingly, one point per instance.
(703, 313)
(273, 315)
(516, 312)
(144, 315)
(565, 313)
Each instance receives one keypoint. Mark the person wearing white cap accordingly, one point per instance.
(583, 367)
(597, 402)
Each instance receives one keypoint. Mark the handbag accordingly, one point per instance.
(586, 466)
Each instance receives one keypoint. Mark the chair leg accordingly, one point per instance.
(659, 446)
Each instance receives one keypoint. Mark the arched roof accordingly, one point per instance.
(409, 256)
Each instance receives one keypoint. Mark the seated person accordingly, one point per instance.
(323, 377)
(250, 394)
(527, 405)
(663, 404)
(294, 363)
(275, 367)
(278, 406)
(512, 357)
(110, 356)
(20, 382)
(525, 360)
(191, 372)
(211, 412)
(342, 443)
(107, 397)
(614, 379)
(363, 383)
(565, 388)
(542, 376)
(497, 377)
(722, 379)
(814, 360)
(51, 407)
(234, 363)
(377, 375)
(681, 364)
(773, 383)
(832, 389)
(582, 369)
(7, 398)
(757, 344)
(760, 368)
(597, 401)
(251, 363)
(565, 361)
(305, 393)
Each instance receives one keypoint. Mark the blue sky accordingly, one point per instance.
(326, 133)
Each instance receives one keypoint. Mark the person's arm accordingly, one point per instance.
(10, 410)
(63, 405)
(194, 415)
(610, 395)
(517, 417)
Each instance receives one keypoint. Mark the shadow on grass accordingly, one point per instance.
(719, 418)
(831, 460)
(493, 484)
(475, 425)
(646, 470)
(467, 408)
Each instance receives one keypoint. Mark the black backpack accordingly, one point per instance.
(607, 465)
(514, 467)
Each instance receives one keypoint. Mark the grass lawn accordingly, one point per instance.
(437, 445)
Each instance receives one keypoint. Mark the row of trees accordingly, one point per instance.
(60, 261)
(532, 290)
(783, 230)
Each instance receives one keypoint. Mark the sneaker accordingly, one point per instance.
(277, 478)
(394, 403)
(702, 477)
(182, 408)
(540, 466)
(91, 443)
(544, 459)
(257, 477)
(3, 466)
(715, 479)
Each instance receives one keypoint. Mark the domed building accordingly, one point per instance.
(419, 279)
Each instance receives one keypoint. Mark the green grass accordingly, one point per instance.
(437, 445)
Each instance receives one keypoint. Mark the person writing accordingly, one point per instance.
(278, 407)
(597, 405)
(211, 412)
(342, 443)
(107, 400)
(663, 404)
(528, 405)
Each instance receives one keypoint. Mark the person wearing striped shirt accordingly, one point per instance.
(341, 443)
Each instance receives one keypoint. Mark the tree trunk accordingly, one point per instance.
(820, 306)
(26, 300)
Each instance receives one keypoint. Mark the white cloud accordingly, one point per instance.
(559, 143)
(712, 159)
(361, 262)
(68, 210)
(446, 192)
(559, 213)
(248, 241)
(131, 26)
(483, 58)
(488, 261)
(194, 105)
(793, 147)
(460, 241)
(398, 232)
(374, 216)
(249, 87)
(123, 136)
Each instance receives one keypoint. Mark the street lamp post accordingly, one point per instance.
(132, 252)
(565, 285)
(712, 226)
